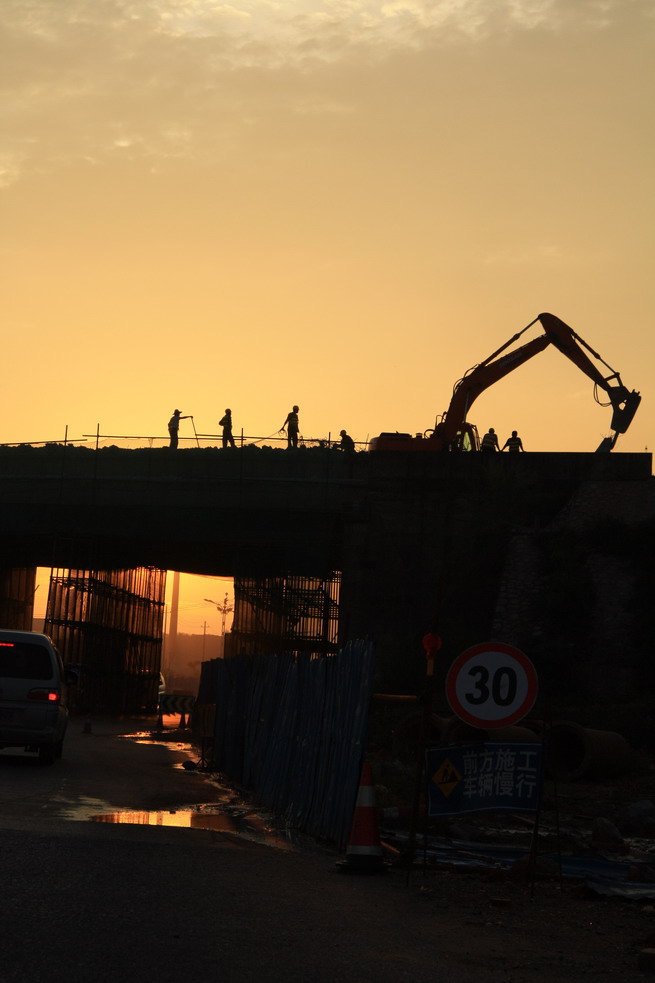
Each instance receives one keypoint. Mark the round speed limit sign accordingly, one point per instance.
(491, 685)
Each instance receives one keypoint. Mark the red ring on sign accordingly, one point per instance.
(488, 647)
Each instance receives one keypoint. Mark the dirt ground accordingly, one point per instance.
(500, 919)
(546, 925)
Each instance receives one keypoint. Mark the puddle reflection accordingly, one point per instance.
(160, 739)
(229, 812)
(249, 827)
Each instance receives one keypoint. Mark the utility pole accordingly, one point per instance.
(224, 608)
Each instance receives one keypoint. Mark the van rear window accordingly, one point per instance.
(25, 660)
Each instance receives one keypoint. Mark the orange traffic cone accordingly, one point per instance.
(364, 851)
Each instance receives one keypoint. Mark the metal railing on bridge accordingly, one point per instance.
(196, 440)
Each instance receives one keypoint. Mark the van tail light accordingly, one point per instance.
(45, 695)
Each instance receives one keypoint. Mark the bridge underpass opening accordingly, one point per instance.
(198, 619)
(125, 627)
(195, 613)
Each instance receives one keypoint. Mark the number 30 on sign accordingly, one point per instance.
(491, 685)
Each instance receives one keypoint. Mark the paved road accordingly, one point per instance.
(100, 771)
(111, 766)
(90, 902)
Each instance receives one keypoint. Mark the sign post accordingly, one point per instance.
(431, 644)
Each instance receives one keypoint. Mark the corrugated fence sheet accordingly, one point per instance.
(293, 730)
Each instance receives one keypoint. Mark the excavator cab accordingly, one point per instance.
(466, 439)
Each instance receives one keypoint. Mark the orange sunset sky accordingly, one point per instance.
(341, 204)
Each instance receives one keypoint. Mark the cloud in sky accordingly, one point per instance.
(49, 19)
(159, 80)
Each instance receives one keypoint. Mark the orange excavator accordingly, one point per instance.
(453, 432)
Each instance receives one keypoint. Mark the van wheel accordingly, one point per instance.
(59, 748)
(47, 754)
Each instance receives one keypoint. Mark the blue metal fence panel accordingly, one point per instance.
(293, 730)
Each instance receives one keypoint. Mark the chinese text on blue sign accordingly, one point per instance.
(483, 777)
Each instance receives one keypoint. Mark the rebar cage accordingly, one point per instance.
(285, 614)
(108, 625)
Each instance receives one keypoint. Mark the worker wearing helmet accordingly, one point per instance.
(347, 443)
(174, 426)
(514, 444)
(292, 425)
(490, 441)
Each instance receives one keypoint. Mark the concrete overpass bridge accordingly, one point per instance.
(418, 537)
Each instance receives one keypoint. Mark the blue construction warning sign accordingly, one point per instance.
(485, 777)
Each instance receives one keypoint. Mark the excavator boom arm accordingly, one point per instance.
(497, 365)
(481, 377)
(569, 343)
(624, 403)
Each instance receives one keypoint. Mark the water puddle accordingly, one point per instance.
(230, 812)
(78, 809)
(250, 826)
(160, 738)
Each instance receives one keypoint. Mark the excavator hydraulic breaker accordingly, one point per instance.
(623, 415)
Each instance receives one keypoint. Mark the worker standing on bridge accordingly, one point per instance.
(490, 441)
(174, 426)
(514, 444)
(226, 423)
(291, 425)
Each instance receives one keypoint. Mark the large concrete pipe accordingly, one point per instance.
(575, 752)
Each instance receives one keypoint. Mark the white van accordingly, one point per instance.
(33, 699)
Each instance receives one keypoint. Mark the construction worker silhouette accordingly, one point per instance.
(174, 426)
(226, 423)
(514, 444)
(490, 441)
(347, 443)
(291, 424)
